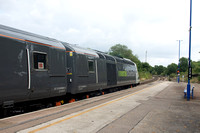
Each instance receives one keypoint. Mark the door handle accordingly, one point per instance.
(29, 68)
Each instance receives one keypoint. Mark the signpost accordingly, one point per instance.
(189, 63)
(182, 78)
(190, 72)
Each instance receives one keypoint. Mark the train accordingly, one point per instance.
(35, 67)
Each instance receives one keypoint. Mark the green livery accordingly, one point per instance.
(122, 73)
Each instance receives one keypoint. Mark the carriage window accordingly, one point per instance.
(91, 66)
(40, 61)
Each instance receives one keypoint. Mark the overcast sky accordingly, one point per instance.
(142, 25)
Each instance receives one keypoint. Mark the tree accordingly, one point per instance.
(172, 68)
(196, 67)
(183, 64)
(146, 67)
(120, 50)
(159, 69)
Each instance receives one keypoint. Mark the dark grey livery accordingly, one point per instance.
(36, 67)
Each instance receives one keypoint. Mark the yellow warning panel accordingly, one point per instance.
(70, 53)
(69, 73)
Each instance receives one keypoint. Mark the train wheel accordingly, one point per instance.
(4, 112)
(49, 105)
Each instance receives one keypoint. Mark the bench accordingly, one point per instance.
(191, 92)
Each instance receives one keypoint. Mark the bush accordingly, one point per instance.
(145, 75)
(172, 75)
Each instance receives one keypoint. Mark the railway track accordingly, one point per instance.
(19, 122)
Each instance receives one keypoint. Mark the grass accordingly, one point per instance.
(145, 75)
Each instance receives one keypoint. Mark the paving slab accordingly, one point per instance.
(154, 109)
(166, 112)
(96, 118)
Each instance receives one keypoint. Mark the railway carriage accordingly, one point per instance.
(89, 70)
(32, 67)
(35, 67)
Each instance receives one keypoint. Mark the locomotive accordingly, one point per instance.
(35, 67)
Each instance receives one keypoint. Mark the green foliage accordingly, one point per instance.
(146, 67)
(120, 50)
(159, 69)
(145, 75)
(196, 67)
(172, 68)
(183, 64)
(172, 75)
(146, 70)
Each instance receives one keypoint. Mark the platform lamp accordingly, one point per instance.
(178, 70)
(189, 61)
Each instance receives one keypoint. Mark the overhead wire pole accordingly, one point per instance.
(146, 56)
(178, 71)
(189, 62)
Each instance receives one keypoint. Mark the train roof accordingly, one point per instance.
(114, 58)
(13, 33)
(81, 50)
(17, 34)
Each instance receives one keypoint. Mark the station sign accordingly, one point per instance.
(189, 72)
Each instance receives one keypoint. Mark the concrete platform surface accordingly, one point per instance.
(158, 108)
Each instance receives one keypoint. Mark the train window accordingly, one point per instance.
(91, 66)
(40, 60)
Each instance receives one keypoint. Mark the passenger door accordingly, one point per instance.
(111, 74)
(57, 72)
(38, 77)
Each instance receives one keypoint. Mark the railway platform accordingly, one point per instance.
(151, 108)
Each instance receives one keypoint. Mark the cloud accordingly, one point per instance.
(144, 25)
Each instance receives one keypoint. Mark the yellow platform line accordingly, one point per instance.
(81, 113)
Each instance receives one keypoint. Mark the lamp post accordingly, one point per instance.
(146, 56)
(178, 71)
(189, 62)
